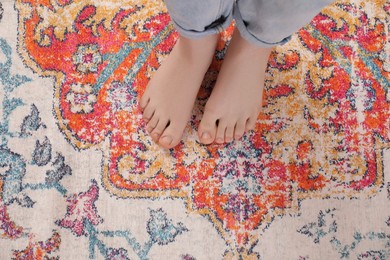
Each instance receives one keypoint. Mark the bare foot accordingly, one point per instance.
(236, 99)
(170, 95)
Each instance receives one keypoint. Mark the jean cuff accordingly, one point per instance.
(216, 27)
(242, 28)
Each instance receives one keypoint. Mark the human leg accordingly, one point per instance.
(170, 95)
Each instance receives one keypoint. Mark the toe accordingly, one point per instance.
(207, 129)
(220, 136)
(250, 124)
(239, 130)
(144, 102)
(207, 137)
(166, 141)
(229, 133)
(159, 129)
(152, 123)
(171, 135)
(148, 113)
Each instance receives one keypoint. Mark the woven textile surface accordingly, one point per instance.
(81, 179)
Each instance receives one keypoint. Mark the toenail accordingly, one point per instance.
(167, 140)
(156, 135)
(219, 140)
(206, 136)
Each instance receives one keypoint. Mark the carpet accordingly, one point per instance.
(81, 179)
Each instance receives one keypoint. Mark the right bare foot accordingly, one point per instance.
(171, 93)
(235, 103)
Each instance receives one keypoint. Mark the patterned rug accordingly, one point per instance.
(81, 179)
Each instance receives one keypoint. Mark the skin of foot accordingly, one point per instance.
(169, 98)
(235, 102)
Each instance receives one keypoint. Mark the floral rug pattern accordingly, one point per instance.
(81, 179)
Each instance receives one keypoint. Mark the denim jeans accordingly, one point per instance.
(261, 22)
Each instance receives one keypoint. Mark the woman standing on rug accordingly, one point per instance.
(235, 101)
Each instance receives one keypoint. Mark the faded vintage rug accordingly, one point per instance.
(81, 179)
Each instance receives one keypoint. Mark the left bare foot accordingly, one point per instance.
(236, 99)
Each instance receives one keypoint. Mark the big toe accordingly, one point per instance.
(166, 141)
(207, 130)
(206, 137)
(171, 136)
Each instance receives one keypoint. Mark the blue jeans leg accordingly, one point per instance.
(262, 22)
(272, 22)
(198, 18)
